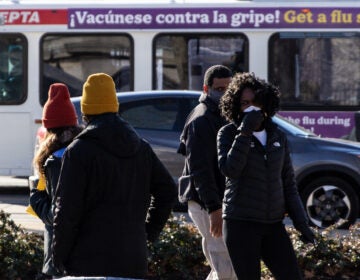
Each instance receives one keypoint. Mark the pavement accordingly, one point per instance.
(14, 198)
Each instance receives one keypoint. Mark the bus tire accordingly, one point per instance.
(330, 201)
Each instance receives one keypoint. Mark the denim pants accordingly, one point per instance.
(214, 249)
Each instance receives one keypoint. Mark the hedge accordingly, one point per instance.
(177, 255)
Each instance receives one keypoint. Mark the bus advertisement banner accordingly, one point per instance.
(327, 124)
(213, 18)
(33, 17)
(175, 18)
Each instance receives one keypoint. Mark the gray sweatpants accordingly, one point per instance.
(214, 249)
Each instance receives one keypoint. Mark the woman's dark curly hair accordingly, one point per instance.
(266, 95)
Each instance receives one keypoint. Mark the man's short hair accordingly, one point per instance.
(216, 71)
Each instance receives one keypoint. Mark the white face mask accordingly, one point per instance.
(252, 108)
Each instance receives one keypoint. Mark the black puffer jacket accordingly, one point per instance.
(110, 180)
(260, 184)
(201, 180)
(41, 202)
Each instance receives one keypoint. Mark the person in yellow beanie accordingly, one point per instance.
(113, 194)
(60, 120)
(99, 95)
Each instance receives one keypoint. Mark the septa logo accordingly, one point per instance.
(14, 17)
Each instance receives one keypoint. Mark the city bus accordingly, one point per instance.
(309, 49)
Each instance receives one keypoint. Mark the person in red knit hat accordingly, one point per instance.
(60, 120)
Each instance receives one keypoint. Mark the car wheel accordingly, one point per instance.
(330, 201)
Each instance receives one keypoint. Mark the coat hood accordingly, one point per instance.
(113, 134)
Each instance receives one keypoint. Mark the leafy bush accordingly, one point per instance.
(177, 255)
(21, 252)
(335, 256)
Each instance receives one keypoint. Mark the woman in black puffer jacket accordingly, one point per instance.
(254, 156)
(60, 120)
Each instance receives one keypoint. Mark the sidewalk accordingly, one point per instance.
(14, 197)
(13, 182)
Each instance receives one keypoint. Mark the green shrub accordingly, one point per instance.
(21, 252)
(177, 255)
(335, 256)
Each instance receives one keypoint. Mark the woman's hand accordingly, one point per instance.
(251, 122)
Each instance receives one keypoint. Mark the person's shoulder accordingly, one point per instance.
(80, 146)
(199, 110)
(145, 147)
(59, 153)
(52, 161)
(145, 150)
(229, 127)
(204, 113)
(227, 131)
(272, 127)
(276, 133)
(145, 143)
(203, 123)
(197, 115)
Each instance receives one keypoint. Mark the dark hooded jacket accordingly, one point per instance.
(113, 195)
(201, 179)
(41, 203)
(260, 185)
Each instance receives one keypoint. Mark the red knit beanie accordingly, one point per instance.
(58, 110)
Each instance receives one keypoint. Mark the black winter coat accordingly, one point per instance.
(41, 203)
(113, 195)
(260, 185)
(201, 179)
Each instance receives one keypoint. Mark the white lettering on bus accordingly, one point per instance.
(334, 121)
(110, 18)
(34, 17)
(254, 18)
(187, 18)
(20, 16)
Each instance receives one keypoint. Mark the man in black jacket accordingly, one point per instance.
(202, 186)
(113, 193)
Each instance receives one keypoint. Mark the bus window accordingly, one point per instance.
(316, 70)
(71, 58)
(13, 50)
(182, 59)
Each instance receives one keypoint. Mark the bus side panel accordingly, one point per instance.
(16, 154)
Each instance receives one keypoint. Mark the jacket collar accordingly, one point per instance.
(211, 105)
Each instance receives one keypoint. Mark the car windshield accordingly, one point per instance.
(292, 128)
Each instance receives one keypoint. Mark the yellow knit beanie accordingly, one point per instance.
(99, 95)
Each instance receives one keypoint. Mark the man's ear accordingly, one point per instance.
(206, 89)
